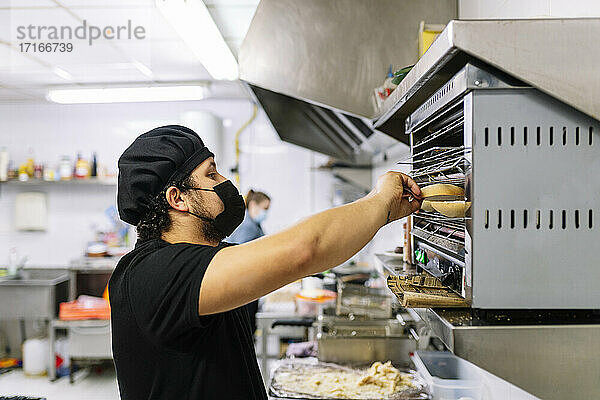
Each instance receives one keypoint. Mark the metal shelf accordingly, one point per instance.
(72, 182)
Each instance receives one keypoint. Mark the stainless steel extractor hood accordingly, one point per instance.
(313, 64)
(314, 127)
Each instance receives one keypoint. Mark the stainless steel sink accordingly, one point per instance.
(33, 293)
(27, 277)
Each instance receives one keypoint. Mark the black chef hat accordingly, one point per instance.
(154, 160)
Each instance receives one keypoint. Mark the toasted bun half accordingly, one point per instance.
(443, 191)
(426, 206)
(451, 209)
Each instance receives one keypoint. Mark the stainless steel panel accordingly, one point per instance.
(361, 350)
(469, 77)
(557, 56)
(35, 296)
(334, 53)
(90, 339)
(520, 264)
(549, 361)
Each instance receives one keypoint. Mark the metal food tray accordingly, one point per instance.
(423, 291)
(419, 392)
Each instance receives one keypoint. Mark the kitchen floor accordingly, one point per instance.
(89, 386)
(96, 386)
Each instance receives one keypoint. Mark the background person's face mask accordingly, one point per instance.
(262, 215)
(234, 207)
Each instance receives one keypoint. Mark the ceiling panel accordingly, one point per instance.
(10, 95)
(233, 21)
(26, 3)
(37, 17)
(231, 3)
(169, 59)
(75, 4)
(172, 59)
(116, 15)
(160, 28)
(31, 77)
(15, 61)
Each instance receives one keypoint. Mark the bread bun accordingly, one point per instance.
(451, 209)
(442, 191)
(426, 206)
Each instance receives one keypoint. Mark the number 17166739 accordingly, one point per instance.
(46, 47)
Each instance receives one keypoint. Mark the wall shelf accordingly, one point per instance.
(72, 182)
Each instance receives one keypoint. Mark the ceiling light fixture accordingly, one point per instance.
(194, 24)
(62, 73)
(143, 69)
(126, 94)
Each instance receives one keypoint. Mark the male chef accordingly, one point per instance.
(179, 326)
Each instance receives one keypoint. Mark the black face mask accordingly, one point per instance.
(235, 208)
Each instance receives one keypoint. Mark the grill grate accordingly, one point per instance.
(454, 128)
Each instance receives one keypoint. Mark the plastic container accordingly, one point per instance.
(448, 377)
(35, 356)
(85, 307)
(311, 303)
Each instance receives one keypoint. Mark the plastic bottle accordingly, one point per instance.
(64, 170)
(12, 261)
(3, 164)
(94, 171)
(82, 168)
(388, 85)
(35, 356)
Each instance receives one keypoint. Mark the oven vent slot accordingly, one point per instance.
(578, 219)
(434, 99)
(578, 139)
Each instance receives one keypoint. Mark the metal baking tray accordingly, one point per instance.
(419, 392)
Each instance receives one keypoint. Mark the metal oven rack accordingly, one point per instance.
(439, 155)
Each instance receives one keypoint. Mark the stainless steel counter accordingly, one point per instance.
(549, 360)
(33, 294)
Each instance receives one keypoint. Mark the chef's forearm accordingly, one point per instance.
(240, 274)
(335, 235)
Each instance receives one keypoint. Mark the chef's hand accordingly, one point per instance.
(390, 187)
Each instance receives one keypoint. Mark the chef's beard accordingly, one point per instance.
(206, 229)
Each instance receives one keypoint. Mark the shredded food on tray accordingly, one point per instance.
(379, 380)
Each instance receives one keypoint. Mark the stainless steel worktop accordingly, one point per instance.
(33, 294)
(35, 277)
(551, 354)
(547, 359)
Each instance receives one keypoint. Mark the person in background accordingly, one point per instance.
(257, 205)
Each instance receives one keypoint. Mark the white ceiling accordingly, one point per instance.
(26, 76)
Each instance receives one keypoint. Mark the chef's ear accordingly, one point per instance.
(173, 196)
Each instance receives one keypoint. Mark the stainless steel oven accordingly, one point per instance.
(529, 166)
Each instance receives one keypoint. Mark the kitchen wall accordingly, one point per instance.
(284, 171)
(494, 9)
(47, 131)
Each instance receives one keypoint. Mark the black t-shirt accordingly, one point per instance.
(162, 348)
